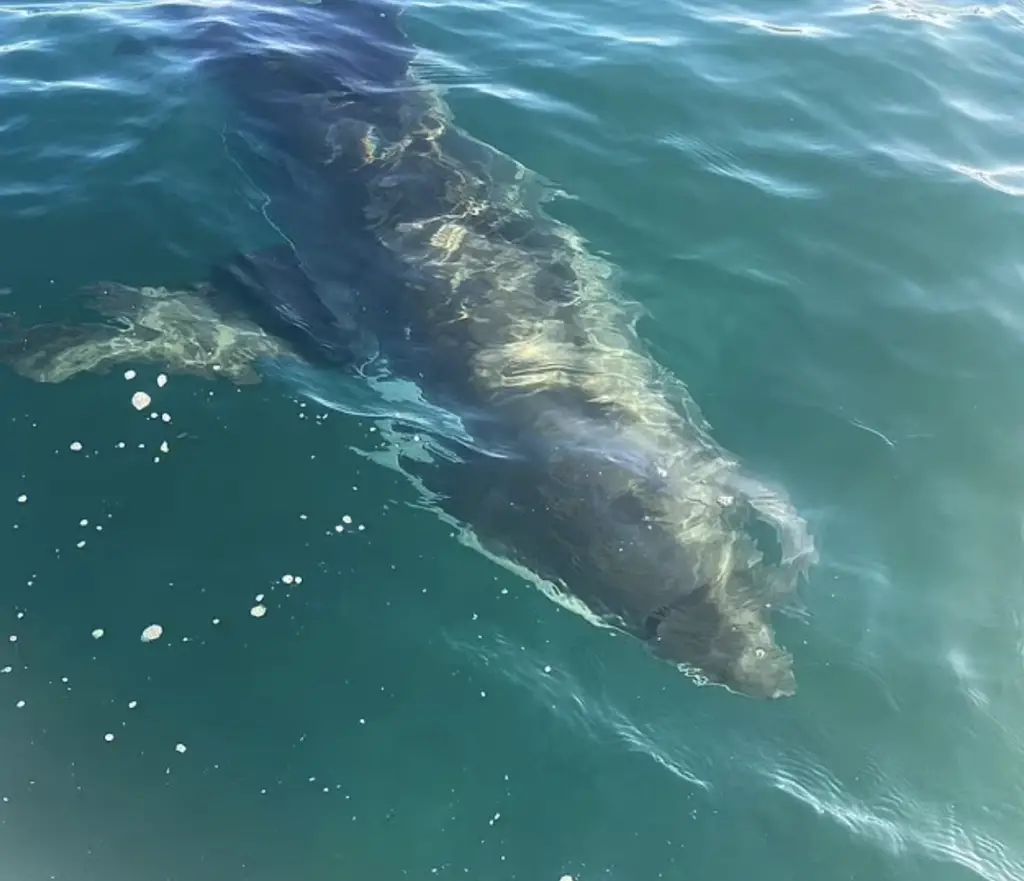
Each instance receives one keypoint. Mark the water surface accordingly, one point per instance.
(821, 207)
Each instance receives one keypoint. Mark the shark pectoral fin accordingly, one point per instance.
(56, 352)
(273, 284)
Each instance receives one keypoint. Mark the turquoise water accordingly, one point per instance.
(822, 210)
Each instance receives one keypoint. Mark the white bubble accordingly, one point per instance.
(547, 668)
(161, 380)
(164, 448)
(12, 638)
(20, 704)
(346, 519)
(154, 631)
(83, 522)
(181, 747)
(129, 375)
(298, 579)
(81, 544)
(216, 620)
(259, 597)
(339, 528)
(23, 498)
(132, 705)
(258, 611)
(97, 633)
(288, 579)
(166, 417)
(108, 737)
(76, 446)
(140, 400)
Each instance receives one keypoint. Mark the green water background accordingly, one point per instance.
(821, 207)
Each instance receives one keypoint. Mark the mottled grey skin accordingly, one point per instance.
(409, 233)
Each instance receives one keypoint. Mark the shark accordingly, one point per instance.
(420, 266)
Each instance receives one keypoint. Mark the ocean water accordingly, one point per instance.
(821, 207)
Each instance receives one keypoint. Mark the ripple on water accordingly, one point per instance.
(941, 15)
(896, 822)
(574, 704)
(1008, 180)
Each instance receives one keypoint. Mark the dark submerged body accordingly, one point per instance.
(361, 170)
